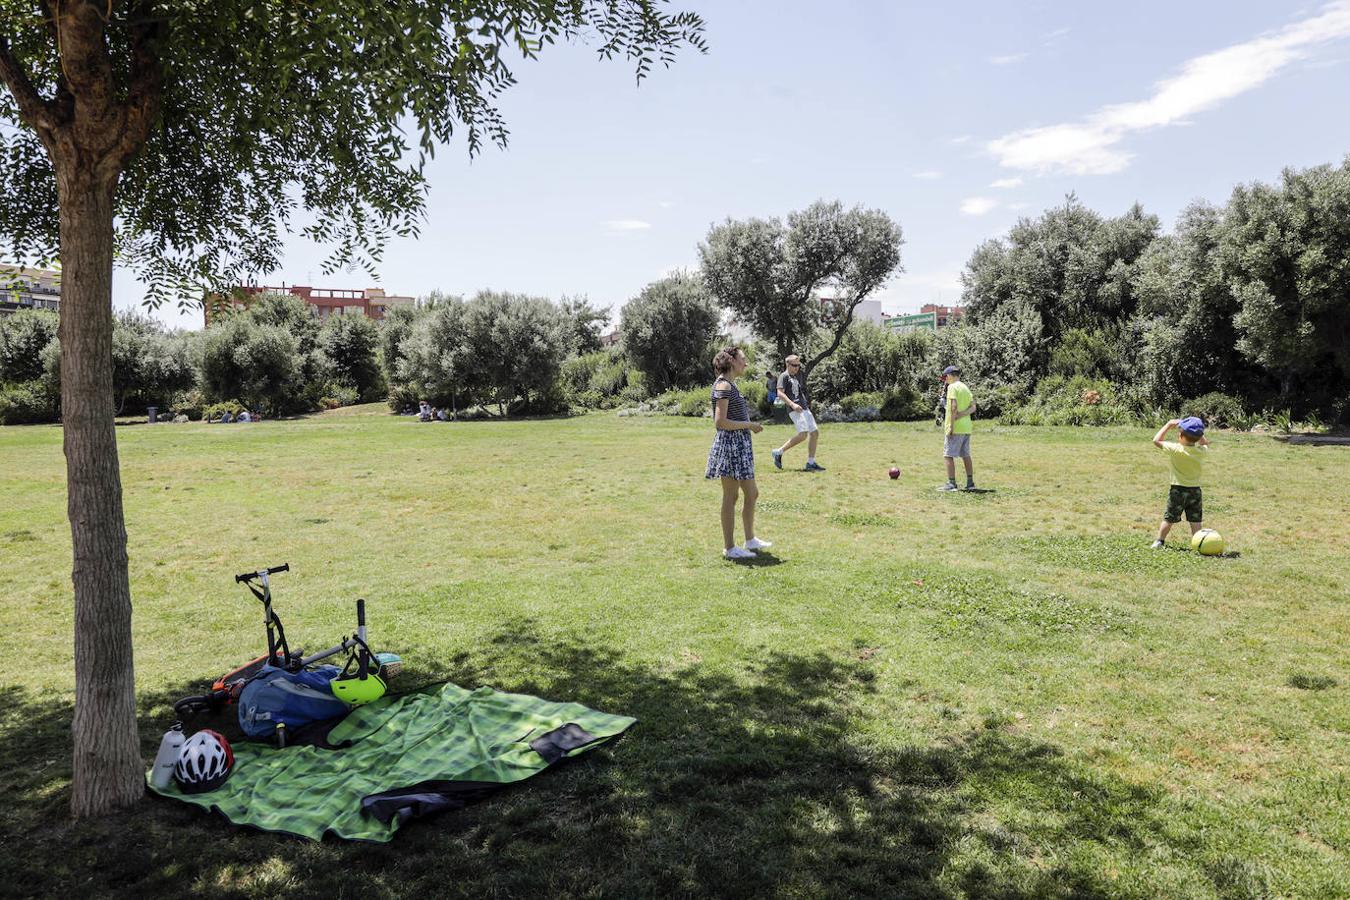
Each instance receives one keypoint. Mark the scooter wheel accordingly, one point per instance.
(203, 703)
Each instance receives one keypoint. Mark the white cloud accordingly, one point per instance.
(1008, 59)
(666, 204)
(978, 206)
(1007, 183)
(1053, 37)
(1090, 147)
(928, 175)
(961, 140)
(627, 225)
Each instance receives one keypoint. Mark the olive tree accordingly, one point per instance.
(185, 135)
(668, 331)
(1283, 255)
(1072, 266)
(774, 275)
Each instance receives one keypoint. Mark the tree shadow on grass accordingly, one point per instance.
(757, 782)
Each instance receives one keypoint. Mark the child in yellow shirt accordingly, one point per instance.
(1186, 457)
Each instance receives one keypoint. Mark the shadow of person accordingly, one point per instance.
(761, 559)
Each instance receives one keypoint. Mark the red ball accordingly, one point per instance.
(894, 473)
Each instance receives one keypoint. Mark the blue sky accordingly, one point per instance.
(955, 119)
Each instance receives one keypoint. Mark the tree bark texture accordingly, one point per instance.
(107, 760)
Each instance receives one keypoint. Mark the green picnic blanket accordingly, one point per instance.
(405, 752)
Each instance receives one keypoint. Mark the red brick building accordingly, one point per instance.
(323, 302)
(946, 315)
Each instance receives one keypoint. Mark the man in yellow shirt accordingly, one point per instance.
(960, 406)
(1186, 457)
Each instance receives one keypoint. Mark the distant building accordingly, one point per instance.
(323, 302)
(868, 311)
(22, 288)
(865, 311)
(611, 339)
(946, 315)
(930, 317)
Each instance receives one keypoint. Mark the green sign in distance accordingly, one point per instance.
(914, 320)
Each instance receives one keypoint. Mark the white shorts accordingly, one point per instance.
(804, 421)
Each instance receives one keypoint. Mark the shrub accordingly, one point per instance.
(216, 410)
(904, 404)
(756, 395)
(862, 400)
(549, 402)
(1082, 352)
(29, 403)
(336, 395)
(1070, 401)
(871, 359)
(188, 403)
(402, 397)
(1219, 410)
(598, 379)
(693, 402)
(635, 392)
(23, 337)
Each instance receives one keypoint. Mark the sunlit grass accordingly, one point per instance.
(1006, 692)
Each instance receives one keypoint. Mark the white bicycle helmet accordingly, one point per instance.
(204, 762)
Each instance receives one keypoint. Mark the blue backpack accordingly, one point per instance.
(295, 698)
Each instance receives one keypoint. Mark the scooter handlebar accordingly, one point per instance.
(246, 576)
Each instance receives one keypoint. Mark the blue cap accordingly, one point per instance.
(951, 370)
(1193, 425)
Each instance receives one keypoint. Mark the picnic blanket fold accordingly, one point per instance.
(406, 755)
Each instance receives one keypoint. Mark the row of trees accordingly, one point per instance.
(1247, 300)
(1250, 299)
(508, 351)
(149, 365)
(274, 357)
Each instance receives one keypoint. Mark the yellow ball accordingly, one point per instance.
(1207, 542)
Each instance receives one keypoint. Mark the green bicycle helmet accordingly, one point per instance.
(362, 685)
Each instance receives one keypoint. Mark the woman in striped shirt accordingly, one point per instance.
(732, 457)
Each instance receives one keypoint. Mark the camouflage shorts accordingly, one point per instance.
(1184, 500)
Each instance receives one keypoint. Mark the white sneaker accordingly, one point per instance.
(738, 553)
(757, 544)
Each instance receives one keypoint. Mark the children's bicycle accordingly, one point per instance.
(362, 664)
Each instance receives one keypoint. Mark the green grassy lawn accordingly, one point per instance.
(918, 694)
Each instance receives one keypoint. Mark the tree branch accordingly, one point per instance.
(63, 104)
(146, 87)
(35, 111)
(838, 335)
(85, 62)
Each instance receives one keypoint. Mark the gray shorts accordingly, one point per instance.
(957, 445)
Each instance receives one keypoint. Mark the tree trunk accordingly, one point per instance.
(107, 761)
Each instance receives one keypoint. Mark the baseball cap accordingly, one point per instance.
(951, 370)
(1192, 425)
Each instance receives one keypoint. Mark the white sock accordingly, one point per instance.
(810, 460)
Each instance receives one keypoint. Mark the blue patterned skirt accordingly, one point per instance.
(732, 456)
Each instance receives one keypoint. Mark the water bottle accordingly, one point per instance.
(167, 757)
